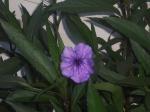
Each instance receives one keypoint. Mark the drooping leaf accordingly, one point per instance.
(83, 6)
(130, 30)
(35, 56)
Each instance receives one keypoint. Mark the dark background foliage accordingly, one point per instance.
(121, 79)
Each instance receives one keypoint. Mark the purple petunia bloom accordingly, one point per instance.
(77, 63)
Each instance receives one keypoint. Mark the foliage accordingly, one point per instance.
(121, 79)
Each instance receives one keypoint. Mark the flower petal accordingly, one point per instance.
(77, 72)
(84, 51)
(66, 69)
(88, 65)
(80, 74)
(67, 54)
(78, 79)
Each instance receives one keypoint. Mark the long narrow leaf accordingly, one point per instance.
(31, 52)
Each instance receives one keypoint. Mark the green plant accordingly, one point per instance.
(121, 79)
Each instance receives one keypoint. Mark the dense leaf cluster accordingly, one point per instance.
(121, 78)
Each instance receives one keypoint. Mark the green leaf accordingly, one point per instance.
(137, 3)
(57, 106)
(135, 81)
(100, 21)
(6, 3)
(25, 17)
(77, 108)
(78, 92)
(120, 79)
(27, 96)
(109, 75)
(34, 25)
(137, 17)
(83, 6)
(107, 46)
(94, 39)
(94, 100)
(21, 96)
(130, 30)
(147, 101)
(141, 108)
(10, 81)
(78, 31)
(35, 56)
(142, 56)
(147, 16)
(10, 66)
(35, 22)
(60, 44)
(116, 91)
(52, 46)
(21, 108)
(7, 15)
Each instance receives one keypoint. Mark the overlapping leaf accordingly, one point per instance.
(83, 6)
(35, 56)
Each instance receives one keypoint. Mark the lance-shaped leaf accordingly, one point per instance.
(35, 22)
(130, 30)
(94, 100)
(28, 96)
(78, 92)
(35, 56)
(79, 32)
(52, 45)
(84, 6)
(142, 56)
(116, 91)
(21, 108)
(9, 81)
(120, 79)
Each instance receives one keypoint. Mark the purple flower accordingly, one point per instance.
(77, 63)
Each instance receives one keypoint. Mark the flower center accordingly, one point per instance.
(77, 61)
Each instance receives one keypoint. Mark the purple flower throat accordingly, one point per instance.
(77, 61)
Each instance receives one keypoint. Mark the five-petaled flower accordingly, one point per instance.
(77, 63)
